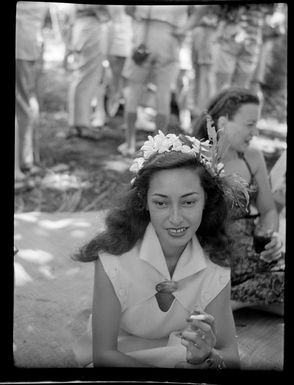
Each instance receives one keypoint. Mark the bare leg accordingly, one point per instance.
(131, 118)
(133, 95)
(99, 115)
(163, 96)
(18, 174)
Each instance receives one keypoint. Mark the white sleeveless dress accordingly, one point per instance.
(146, 332)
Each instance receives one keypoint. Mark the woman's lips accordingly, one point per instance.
(177, 231)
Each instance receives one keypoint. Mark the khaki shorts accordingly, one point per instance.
(204, 40)
(160, 68)
(164, 47)
(233, 56)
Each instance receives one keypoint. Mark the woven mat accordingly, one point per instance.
(53, 296)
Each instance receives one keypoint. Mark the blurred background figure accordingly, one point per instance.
(239, 43)
(203, 49)
(183, 83)
(30, 18)
(62, 17)
(120, 40)
(273, 39)
(89, 47)
(110, 93)
(161, 29)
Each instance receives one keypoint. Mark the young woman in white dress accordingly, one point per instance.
(159, 300)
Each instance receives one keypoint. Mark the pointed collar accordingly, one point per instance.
(190, 262)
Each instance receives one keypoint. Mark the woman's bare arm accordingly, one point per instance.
(226, 340)
(265, 201)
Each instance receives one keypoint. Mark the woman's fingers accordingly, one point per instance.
(275, 243)
(270, 257)
(206, 328)
(273, 250)
(202, 321)
(201, 340)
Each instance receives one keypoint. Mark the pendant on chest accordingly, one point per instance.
(164, 294)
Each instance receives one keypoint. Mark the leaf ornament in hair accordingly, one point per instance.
(218, 141)
(238, 190)
(161, 143)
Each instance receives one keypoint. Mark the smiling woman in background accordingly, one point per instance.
(257, 276)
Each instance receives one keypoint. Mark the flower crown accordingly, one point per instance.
(161, 143)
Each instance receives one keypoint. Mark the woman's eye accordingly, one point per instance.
(160, 204)
(189, 203)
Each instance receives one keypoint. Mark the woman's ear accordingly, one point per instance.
(222, 122)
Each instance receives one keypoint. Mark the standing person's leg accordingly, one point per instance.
(196, 88)
(99, 115)
(84, 86)
(135, 77)
(258, 79)
(246, 65)
(224, 64)
(163, 99)
(117, 85)
(205, 91)
(133, 95)
(117, 64)
(18, 174)
(24, 113)
(87, 76)
(207, 42)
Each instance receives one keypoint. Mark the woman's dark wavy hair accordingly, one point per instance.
(125, 225)
(225, 103)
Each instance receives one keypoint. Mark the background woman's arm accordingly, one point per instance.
(265, 201)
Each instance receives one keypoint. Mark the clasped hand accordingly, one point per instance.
(199, 338)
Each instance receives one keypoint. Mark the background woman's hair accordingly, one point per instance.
(226, 103)
(125, 225)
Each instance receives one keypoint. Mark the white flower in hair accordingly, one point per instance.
(172, 141)
(137, 165)
(161, 143)
(154, 144)
(187, 150)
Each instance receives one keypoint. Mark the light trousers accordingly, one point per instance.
(88, 36)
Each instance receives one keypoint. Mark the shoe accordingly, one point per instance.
(84, 132)
(98, 122)
(125, 150)
(72, 132)
(31, 170)
(22, 185)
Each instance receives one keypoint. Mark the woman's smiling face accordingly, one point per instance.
(242, 127)
(175, 201)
